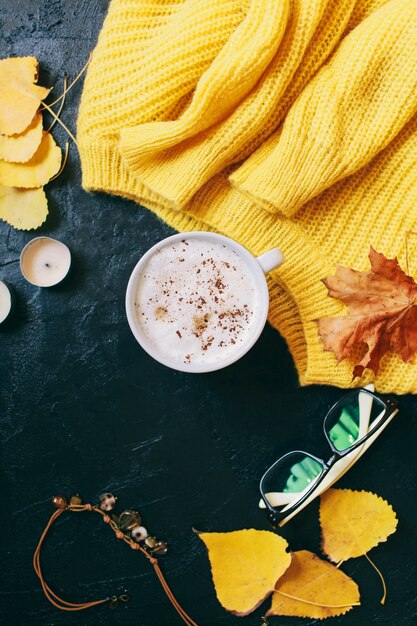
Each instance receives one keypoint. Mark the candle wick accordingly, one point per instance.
(47, 265)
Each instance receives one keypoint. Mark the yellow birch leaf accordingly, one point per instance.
(35, 172)
(23, 209)
(323, 590)
(19, 97)
(20, 148)
(245, 565)
(353, 522)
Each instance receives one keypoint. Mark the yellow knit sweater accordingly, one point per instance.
(276, 122)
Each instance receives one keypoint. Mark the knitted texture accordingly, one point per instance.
(366, 104)
(324, 114)
(231, 76)
(178, 173)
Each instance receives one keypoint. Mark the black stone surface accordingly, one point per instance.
(84, 409)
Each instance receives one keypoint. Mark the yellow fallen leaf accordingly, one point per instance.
(35, 172)
(20, 148)
(23, 208)
(19, 97)
(321, 588)
(245, 565)
(353, 522)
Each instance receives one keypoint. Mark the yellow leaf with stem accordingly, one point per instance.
(353, 522)
(245, 565)
(313, 588)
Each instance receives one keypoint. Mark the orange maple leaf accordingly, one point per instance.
(382, 313)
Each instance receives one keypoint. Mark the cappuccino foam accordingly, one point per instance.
(196, 301)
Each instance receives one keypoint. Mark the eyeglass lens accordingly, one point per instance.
(291, 476)
(352, 418)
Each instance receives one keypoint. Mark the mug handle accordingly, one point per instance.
(270, 260)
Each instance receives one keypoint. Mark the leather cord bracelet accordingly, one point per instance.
(127, 527)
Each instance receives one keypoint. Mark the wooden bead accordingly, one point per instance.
(60, 502)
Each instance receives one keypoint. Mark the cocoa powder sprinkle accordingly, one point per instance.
(213, 311)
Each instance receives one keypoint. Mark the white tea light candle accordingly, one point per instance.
(6, 302)
(45, 262)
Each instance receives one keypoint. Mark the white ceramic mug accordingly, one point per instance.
(258, 266)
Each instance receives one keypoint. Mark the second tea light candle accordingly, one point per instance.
(45, 262)
(6, 301)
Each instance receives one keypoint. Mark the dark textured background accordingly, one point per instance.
(83, 408)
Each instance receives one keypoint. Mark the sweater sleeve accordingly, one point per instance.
(149, 58)
(313, 30)
(230, 77)
(347, 114)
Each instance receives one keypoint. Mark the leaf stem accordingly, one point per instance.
(320, 604)
(52, 112)
(409, 232)
(64, 162)
(71, 85)
(384, 597)
(60, 106)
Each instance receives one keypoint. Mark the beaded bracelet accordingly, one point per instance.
(128, 527)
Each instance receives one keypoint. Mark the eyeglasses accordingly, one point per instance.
(350, 427)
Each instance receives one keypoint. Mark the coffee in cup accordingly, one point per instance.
(197, 302)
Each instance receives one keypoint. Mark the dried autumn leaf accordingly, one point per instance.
(321, 589)
(382, 313)
(35, 172)
(245, 565)
(353, 522)
(19, 96)
(23, 208)
(20, 148)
